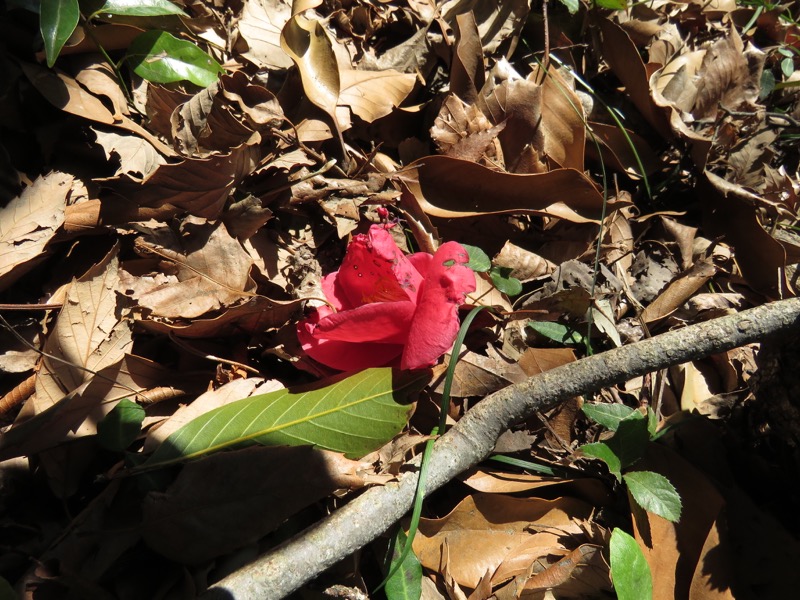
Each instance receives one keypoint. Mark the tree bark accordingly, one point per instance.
(297, 561)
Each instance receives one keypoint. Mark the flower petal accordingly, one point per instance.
(435, 323)
(385, 322)
(346, 356)
(375, 270)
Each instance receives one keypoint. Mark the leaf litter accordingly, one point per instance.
(634, 169)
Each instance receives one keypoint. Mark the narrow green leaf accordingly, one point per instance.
(629, 569)
(556, 332)
(353, 415)
(612, 4)
(652, 422)
(406, 582)
(654, 493)
(510, 286)
(141, 8)
(478, 259)
(572, 5)
(606, 454)
(121, 426)
(57, 20)
(608, 415)
(160, 57)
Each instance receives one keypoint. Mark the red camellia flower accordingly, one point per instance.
(390, 308)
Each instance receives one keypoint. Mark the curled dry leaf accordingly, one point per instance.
(29, 222)
(90, 334)
(260, 31)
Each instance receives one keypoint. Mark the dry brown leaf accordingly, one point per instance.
(479, 375)
(29, 222)
(617, 151)
(447, 187)
(90, 334)
(679, 291)
(462, 131)
(497, 21)
(524, 265)
(260, 28)
(493, 481)
(724, 78)
(136, 155)
(467, 69)
(483, 531)
(212, 270)
(562, 121)
(255, 490)
(201, 186)
(373, 94)
(304, 40)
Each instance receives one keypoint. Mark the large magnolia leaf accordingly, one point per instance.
(354, 415)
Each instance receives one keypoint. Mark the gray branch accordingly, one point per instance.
(297, 561)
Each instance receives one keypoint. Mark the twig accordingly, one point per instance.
(300, 559)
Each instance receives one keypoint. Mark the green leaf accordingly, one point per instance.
(141, 8)
(629, 569)
(612, 4)
(654, 493)
(121, 426)
(557, 332)
(631, 439)
(787, 66)
(57, 21)
(353, 415)
(652, 422)
(510, 286)
(160, 57)
(608, 415)
(406, 582)
(572, 5)
(606, 454)
(478, 259)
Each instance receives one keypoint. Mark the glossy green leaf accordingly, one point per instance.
(603, 452)
(629, 569)
(160, 57)
(478, 259)
(354, 415)
(608, 415)
(556, 332)
(141, 8)
(654, 493)
(510, 286)
(121, 426)
(406, 582)
(57, 21)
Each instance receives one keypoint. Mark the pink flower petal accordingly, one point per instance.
(435, 323)
(375, 270)
(345, 356)
(334, 293)
(384, 322)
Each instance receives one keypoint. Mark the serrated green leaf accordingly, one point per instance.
(121, 426)
(629, 569)
(160, 57)
(556, 332)
(630, 439)
(654, 493)
(354, 415)
(141, 8)
(406, 582)
(478, 259)
(572, 5)
(608, 415)
(606, 454)
(510, 286)
(57, 21)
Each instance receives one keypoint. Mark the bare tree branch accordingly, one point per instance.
(286, 568)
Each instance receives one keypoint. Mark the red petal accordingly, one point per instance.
(334, 293)
(435, 323)
(385, 322)
(375, 270)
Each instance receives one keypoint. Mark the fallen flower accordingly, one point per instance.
(388, 306)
